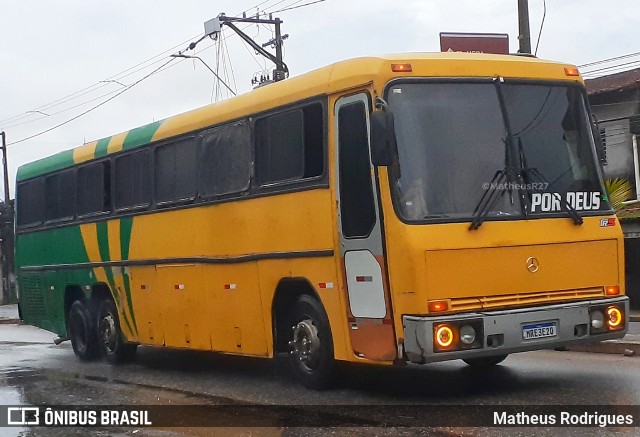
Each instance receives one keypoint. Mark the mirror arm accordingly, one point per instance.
(381, 104)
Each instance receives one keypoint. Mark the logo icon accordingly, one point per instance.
(533, 265)
(23, 416)
(605, 223)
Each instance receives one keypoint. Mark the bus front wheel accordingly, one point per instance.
(82, 331)
(112, 343)
(485, 362)
(311, 345)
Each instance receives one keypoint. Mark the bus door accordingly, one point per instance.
(361, 244)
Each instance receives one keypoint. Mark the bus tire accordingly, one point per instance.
(485, 362)
(310, 344)
(110, 339)
(82, 332)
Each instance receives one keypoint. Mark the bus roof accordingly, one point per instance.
(326, 80)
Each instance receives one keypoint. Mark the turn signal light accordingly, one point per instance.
(571, 71)
(401, 68)
(615, 317)
(612, 290)
(437, 306)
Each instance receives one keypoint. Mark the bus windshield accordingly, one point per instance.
(454, 138)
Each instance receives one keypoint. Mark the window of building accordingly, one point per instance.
(175, 171)
(30, 202)
(133, 180)
(94, 188)
(60, 196)
(290, 145)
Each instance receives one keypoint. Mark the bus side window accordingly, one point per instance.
(175, 171)
(60, 196)
(290, 145)
(30, 202)
(357, 209)
(225, 160)
(133, 180)
(94, 188)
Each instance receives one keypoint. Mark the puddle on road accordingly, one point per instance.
(10, 395)
(29, 387)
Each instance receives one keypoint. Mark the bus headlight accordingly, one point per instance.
(607, 318)
(615, 317)
(467, 334)
(597, 319)
(457, 335)
(444, 336)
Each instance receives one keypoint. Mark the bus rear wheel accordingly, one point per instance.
(81, 327)
(485, 362)
(311, 345)
(112, 343)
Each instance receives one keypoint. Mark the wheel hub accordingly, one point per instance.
(306, 343)
(107, 332)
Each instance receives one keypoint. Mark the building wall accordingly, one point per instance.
(618, 106)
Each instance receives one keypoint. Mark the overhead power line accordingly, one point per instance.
(296, 7)
(92, 108)
(604, 61)
(114, 78)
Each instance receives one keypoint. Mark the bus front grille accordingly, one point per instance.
(523, 299)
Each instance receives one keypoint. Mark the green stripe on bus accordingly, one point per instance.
(46, 165)
(126, 225)
(140, 135)
(127, 290)
(103, 246)
(101, 147)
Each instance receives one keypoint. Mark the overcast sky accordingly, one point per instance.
(52, 49)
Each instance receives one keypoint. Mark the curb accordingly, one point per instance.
(10, 321)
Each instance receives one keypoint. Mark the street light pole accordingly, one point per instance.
(525, 33)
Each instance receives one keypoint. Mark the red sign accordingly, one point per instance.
(497, 43)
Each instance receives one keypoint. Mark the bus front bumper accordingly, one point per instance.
(509, 331)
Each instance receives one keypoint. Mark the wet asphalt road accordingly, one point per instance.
(33, 371)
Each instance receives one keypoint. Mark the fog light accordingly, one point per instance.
(467, 334)
(444, 336)
(597, 319)
(615, 317)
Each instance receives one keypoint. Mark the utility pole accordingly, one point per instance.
(525, 33)
(213, 27)
(4, 167)
(6, 231)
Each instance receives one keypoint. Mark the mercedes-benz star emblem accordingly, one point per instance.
(533, 265)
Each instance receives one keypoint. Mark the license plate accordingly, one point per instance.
(539, 330)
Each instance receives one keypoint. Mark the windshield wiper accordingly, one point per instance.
(489, 199)
(511, 172)
(531, 173)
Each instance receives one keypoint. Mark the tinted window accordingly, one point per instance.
(60, 196)
(225, 157)
(175, 171)
(357, 210)
(30, 203)
(289, 145)
(133, 180)
(94, 188)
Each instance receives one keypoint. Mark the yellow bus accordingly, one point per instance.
(383, 210)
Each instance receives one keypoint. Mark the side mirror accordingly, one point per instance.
(384, 149)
